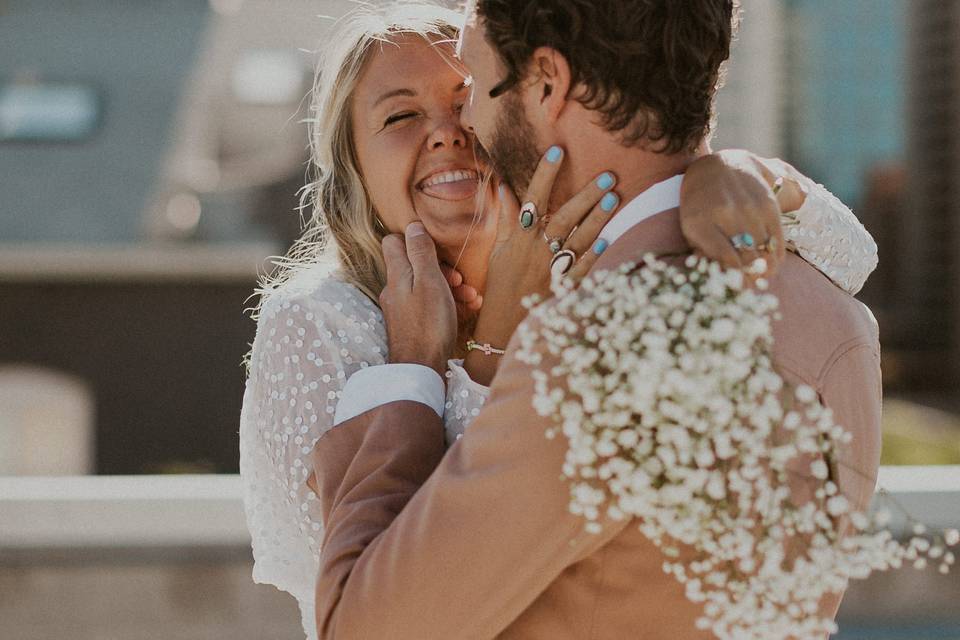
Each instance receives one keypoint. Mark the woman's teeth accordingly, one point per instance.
(449, 176)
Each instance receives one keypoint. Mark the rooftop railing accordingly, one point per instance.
(207, 510)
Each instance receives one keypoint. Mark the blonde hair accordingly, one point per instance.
(343, 227)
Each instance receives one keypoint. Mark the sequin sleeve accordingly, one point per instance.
(827, 234)
(465, 398)
(306, 347)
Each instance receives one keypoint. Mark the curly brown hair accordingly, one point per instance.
(651, 68)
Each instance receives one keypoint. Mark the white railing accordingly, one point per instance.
(207, 510)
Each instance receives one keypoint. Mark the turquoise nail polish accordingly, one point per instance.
(600, 246)
(609, 202)
(553, 154)
(605, 181)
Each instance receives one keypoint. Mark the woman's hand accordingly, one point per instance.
(463, 293)
(521, 257)
(734, 192)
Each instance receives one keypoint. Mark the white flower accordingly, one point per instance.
(819, 469)
(664, 387)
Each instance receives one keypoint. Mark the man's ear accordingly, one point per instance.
(552, 87)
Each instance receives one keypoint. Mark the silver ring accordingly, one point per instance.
(528, 216)
(555, 244)
(743, 241)
(562, 262)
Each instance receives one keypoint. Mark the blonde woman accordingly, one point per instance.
(388, 148)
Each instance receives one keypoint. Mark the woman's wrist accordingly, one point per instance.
(481, 364)
(481, 368)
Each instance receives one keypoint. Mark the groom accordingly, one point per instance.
(479, 543)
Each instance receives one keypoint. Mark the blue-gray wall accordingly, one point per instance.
(847, 85)
(139, 54)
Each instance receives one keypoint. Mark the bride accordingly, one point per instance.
(388, 149)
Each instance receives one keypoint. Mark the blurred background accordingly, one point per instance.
(150, 158)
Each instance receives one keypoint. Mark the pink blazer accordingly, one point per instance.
(477, 542)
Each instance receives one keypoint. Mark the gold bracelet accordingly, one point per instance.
(486, 348)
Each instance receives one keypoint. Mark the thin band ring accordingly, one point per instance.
(555, 244)
(770, 245)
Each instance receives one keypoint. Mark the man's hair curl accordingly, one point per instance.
(650, 68)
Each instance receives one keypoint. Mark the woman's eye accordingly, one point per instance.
(397, 117)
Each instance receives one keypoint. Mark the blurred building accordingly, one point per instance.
(931, 224)
(150, 159)
(845, 80)
(750, 106)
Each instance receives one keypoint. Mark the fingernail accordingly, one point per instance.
(415, 229)
(600, 246)
(605, 181)
(609, 202)
(554, 153)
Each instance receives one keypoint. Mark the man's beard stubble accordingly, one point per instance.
(512, 152)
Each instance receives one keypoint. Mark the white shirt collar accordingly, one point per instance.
(663, 196)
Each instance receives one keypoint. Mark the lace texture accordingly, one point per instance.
(825, 233)
(317, 330)
(312, 335)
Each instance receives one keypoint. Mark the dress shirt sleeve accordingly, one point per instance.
(488, 523)
(375, 386)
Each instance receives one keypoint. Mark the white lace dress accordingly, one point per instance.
(317, 330)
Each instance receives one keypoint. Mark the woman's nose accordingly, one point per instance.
(448, 134)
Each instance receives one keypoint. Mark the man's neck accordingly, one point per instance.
(636, 170)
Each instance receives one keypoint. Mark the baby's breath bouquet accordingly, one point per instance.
(664, 387)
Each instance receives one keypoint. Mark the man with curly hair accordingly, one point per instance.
(481, 543)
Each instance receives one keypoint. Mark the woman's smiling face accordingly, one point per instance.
(417, 161)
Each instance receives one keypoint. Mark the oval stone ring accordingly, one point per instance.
(562, 262)
(743, 241)
(528, 215)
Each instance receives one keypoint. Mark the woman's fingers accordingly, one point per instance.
(775, 250)
(509, 212)
(465, 293)
(475, 304)
(596, 197)
(586, 234)
(586, 261)
(541, 185)
(453, 277)
(707, 238)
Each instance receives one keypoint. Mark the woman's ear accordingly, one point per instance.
(551, 88)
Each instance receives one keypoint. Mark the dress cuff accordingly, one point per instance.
(376, 386)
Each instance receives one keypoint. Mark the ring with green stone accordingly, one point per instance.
(528, 215)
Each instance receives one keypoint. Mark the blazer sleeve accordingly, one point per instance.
(421, 545)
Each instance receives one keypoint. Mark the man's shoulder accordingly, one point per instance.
(819, 321)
